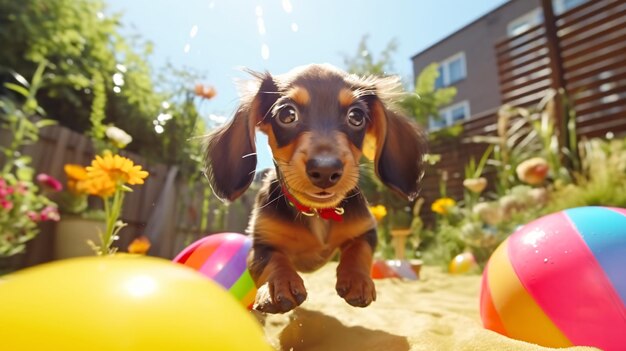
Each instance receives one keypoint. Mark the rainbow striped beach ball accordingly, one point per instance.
(561, 281)
(222, 258)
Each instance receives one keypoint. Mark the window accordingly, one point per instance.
(524, 22)
(450, 115)
(535, 17)
(451, 70)
(561, 6)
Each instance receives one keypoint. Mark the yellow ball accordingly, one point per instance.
(463, 263)
(121, 303)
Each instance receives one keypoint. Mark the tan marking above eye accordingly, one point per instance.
(346, 97)
(300, 95)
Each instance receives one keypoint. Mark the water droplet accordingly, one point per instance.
(265, 52)
(300, 324)
(294, 27)
(536, 251)
(260, 25)
(194, 31)
(545, 260)
(287, 6)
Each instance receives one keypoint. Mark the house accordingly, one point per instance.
(467, 57)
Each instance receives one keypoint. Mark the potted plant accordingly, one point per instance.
(108, 178)
(79, 224)
(400, 230)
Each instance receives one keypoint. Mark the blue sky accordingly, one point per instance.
(217, 37)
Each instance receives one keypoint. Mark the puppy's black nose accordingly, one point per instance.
(324, 171)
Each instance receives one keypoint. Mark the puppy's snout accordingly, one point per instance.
(324, 171)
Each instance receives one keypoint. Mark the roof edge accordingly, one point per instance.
(461, 29)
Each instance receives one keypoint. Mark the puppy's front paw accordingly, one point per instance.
(357, 288)
(280, 294)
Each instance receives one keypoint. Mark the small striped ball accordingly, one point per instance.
(561, 281)
(222, 258)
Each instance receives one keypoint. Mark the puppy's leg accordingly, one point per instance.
(280, 288)
(354, 283)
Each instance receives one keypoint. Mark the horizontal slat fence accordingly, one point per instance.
(591, 40)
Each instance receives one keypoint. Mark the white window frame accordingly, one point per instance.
(445, 68)
(446, 113)
(559, 6)
(533, 17)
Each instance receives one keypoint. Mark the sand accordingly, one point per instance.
(438, 312)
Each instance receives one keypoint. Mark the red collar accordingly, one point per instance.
(334, 213)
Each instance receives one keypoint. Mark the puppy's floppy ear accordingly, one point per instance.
(400, 146)
(230, 149)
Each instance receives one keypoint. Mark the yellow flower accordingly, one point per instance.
(117, 168)
(140, 245)
(378, 211)
(76, 178)
(101, 186)
(75, 172)
(442, 205)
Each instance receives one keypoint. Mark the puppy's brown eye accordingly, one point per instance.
(287, 115)
(356, 117)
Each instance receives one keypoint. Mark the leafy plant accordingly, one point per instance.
(426, 99)
(602, 180)
(97, 76)
(522, 134)
(364, 64)
(22, 204)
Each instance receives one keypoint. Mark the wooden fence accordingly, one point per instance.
(181, 202)
(582, 52)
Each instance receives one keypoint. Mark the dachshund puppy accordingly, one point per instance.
(319, 122)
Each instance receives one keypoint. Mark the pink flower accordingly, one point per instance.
(21, 188)
(6, 204)
(33, 216)
(49, 182)
(50, 213)
(5, 190)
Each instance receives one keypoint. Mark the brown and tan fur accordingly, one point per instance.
(317, 118)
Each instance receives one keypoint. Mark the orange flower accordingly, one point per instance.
(533, 171)
(204, 91)
(140, 246)
(76, 177)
